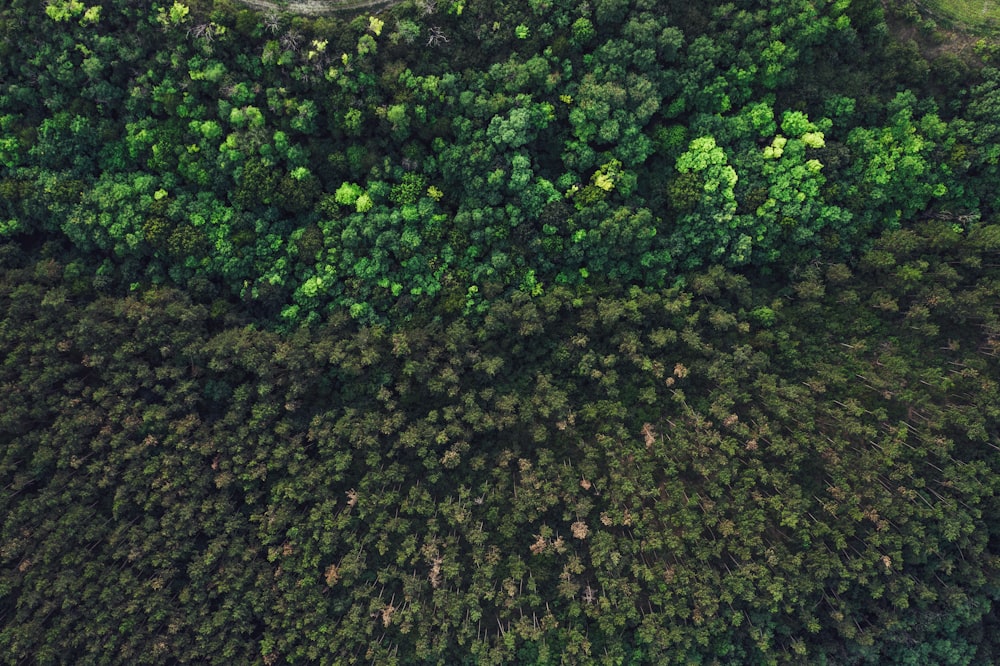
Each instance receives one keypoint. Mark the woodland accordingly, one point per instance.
(535, 332)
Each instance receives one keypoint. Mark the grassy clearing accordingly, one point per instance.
(971, 14)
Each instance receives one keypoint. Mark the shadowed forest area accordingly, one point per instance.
(463, 332)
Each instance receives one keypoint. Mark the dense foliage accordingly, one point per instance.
(620, 332)
(318, 166)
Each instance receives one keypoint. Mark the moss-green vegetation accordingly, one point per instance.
(972, 14)
(498, 332)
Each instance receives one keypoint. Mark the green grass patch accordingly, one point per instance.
(971, 14)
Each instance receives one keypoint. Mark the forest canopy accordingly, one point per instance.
(466, 332)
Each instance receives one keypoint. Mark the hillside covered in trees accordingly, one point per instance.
(493, 332)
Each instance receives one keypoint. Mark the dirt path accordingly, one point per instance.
(318, 7)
